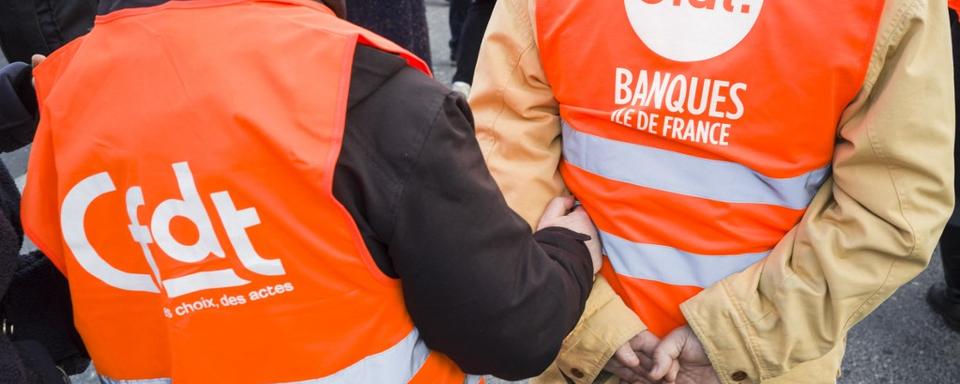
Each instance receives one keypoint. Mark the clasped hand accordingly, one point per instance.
(644, 359)
(678, 358)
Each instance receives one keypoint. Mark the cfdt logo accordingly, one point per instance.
(692, 30)
(189, 205)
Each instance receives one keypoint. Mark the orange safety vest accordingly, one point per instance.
(954, 5)
(181, 179)
(696, 132)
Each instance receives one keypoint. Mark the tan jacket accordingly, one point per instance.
(871, 228)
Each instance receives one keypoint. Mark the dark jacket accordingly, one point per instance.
(18, 107)
(34, 297)
(15, 365)
(479, 286)
(36, 330)
(402, 21)
(955, 33)
(29, 27)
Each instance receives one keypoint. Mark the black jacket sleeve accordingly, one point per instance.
(18, 107)
(479, 286)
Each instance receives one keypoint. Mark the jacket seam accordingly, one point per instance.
(402, 190)
(752, 346)
(375, 165)
(502, 90)
(881, 154)
(501, 96)
(56, 25)
(882, 45)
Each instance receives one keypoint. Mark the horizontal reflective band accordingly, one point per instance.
(670, 265)
(686, 175)
(106, 380)
(395, 365)
(472, 379)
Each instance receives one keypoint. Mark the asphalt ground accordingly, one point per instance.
(902, 342)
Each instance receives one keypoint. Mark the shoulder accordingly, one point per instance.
(383, 80)
(395, 107)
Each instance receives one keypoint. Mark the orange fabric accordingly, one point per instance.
(954, 4)
(775, 96)
(638, 214)
(657, 304)
(166, 117)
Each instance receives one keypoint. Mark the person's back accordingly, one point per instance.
(199, 225)
(767, 172)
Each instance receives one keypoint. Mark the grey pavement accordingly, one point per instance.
(902, 342)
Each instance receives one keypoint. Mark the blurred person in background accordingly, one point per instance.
(403, 22)
(945, 297)
(471, 37)
(458, 14)
(22, 359)
(29, 27)
(38, 340)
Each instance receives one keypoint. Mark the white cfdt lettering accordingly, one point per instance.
(236, 223)
(72, 215)
(728, 5)
(189, 206)
(140, 233)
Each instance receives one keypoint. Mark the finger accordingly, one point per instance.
(626, 356)
(646, 362)
(665, 355)
(36, 60)
(580, 213)
(626, 374)
(557, 207)
(642, 380)
(674, 372)
(612, 365)
(645, 342)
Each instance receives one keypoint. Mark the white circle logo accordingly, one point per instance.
(692, 30)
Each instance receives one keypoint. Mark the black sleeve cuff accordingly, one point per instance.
(569, 249)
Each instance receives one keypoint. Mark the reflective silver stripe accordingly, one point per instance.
(670, 265)
(686, 175)
(398, 364)
(472, 379)
(106, 380)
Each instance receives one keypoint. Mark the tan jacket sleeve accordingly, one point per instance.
(871, 229)
(518, 126)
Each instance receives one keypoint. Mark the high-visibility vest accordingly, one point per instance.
(696, 132)
(181, 179)
(954, 5)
